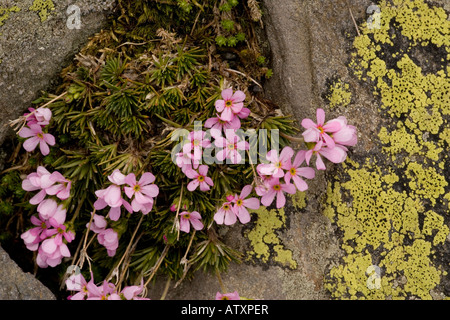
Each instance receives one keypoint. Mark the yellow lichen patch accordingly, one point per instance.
(392, 212)
(340, 94)
(265, 243)
(43, 7)
(6, 12)
(299, 200)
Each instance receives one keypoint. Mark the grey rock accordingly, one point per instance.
(33, 52)
(18, 285)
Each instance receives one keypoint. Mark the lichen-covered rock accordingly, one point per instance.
(18, 285)
(36, 42)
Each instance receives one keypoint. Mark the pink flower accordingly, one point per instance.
(32, 237)
(76, 282)
(110, 240)
(188, 218)
(231, 147)
(277, 163)
(200, 178)
(346, 136)
(337, 154)
(183, 161)
(106, 292)
(228, 296)
(112, 196)
(41, 179)
(241, 204)
(231, 104)
(40, 116)
(319, 131)
(36, 136)
(62, 187)
(52, 250)
(218, 124)
(197, 141)
(277, 189)
(133, 292)
(48, 208)
(143, 191)
(295, 172)
(98, 223)
(225, 214)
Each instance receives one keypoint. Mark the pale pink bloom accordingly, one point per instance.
(228, 296)
(277, 163)
(133, 292)
(48, 208)
(98, 223)
(32, 237)
(244, 113)
(241, 204)
(77, 282)
(197, 140)
(36, 136)
(346, 136)
(320, 131)
(200, 178)
(337, 154)
(218, 124)
(231, 147)
(277, 189)
(143, 191)
(61, 188)
(110, 240)
(105, 292)
(183, 161)
(231, 104)
(188, 218)
(39, 180)
(295, 172)
(40, 116)
(51, 252)
(225, 215)
(112, 196)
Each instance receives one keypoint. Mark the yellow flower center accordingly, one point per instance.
(196, 143)
(239, 202)
(137, 188)
(226, 207)
(293, 171)
(228, 103)
(40, 136)
(201, 178)
(277, 187)
(187, 216)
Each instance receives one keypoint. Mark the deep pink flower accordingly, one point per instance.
(241, 204)
(200, 178)
(225, 214)
(295, 172)
(61, 188)
(41, 179)
(143, 191)
(76, 282)
(230, 147)
(105, 292)
(133, 292)
(36, 136)
(231, 104)
(277, 189)
(320, 131)
(337, 154)
(32, 237)
(228, 296)
(188, 218)
(277, 163)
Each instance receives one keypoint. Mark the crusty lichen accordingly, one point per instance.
(6, 12)
(391, 213)
(43, 7)
(265, 242)
(340, 94)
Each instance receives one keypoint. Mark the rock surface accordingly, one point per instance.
(17, 285)
(35, 44)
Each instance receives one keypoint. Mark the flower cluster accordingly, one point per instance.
(36, 121)
(328, 139)
(49, 234)
(106, 291)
